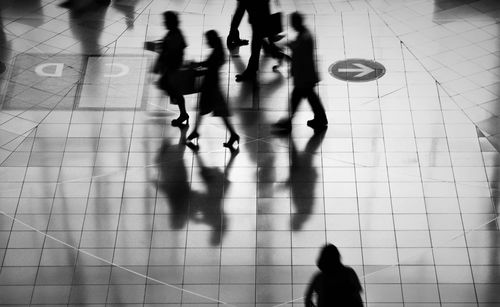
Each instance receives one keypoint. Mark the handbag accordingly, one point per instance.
(186, 80)
(154, 46)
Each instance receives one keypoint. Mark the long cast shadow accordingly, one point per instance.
(173, 180)
(87, 27)
(303, 179)
(207, 207)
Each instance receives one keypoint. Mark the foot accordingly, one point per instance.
(246, 76)
(241, 42)
(193, 136)
(179, 121)
(232, 43)
(230, 143)
(318, 124)
(192, 140)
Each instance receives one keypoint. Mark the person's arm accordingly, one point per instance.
(206, 63)
(214, 60)
(296, 43)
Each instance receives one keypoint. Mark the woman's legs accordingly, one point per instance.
(192, 138)
(228, 124)
(197, 122)
(234, 136)
(181, 102)
(183, 116)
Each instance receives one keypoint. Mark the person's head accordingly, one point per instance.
(213, 39)
(171, 20)
(297, 21)
(329, 258)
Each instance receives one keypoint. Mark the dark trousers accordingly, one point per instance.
(299, 93)
(257, 40)
(236, 21)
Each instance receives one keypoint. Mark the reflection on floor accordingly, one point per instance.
(102, 203)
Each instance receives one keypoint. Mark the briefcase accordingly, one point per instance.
(154, 46)
(275, 26)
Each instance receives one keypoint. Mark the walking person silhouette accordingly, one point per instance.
(258, 16)
(335, 285)
(305, 77)
(169, 62)
(211, 98)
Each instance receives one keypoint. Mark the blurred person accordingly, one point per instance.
(211, 98)
(262, 38)
(335, 284)
(258, 16)
(169, 62)
(305, 77)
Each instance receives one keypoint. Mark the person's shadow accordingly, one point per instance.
(127, 8)
(206, 207)
(87, 27)
(303, 179)
(173, 180)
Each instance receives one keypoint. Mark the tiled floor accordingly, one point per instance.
(102, 204)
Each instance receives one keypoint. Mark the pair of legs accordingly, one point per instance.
(253, 63)
(229, 144)
(260, 41)
(299, 93)
(175, 97)
(181, 103)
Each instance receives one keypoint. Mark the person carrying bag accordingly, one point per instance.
(170, 62)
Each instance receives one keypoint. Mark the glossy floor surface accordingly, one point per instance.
(101, 203)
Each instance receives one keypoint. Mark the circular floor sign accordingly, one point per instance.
(357, 70)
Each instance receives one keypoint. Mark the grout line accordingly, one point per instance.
(112, 263)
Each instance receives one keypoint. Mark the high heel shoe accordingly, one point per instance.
(229, 144)
(193, 135)
(192, 140)
(179, 121)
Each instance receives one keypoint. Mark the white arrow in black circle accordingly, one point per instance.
(363, 70)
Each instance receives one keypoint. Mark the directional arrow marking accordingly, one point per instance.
(362, 69)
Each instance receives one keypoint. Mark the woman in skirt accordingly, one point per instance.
(211, 98)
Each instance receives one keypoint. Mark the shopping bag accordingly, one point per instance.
(186, 80)
(154, 46)
(275, 25)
